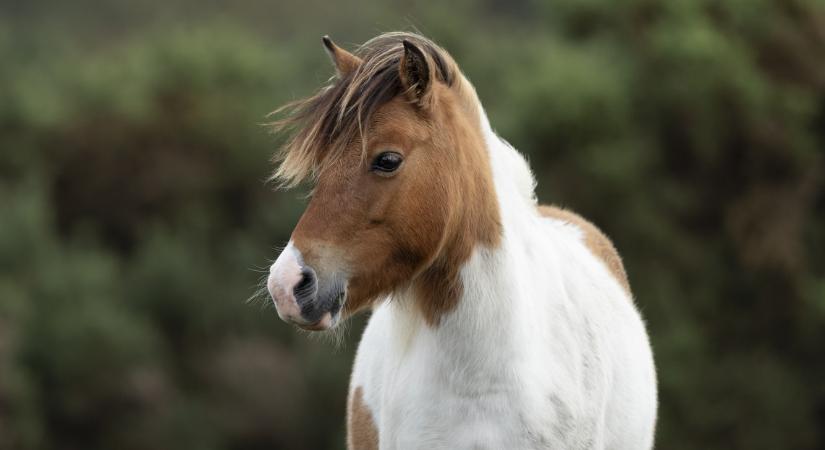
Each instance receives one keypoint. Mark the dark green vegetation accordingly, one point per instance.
(133, 210)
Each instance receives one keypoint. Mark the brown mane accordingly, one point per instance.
(325, 123)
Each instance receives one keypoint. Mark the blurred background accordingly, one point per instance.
(135, 220)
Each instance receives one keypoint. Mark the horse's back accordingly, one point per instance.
(594, 239)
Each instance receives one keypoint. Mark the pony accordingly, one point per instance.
(496, 322)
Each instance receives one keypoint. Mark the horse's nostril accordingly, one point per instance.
(305, 289)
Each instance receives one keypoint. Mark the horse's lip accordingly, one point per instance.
(312, 326)
(326, 322)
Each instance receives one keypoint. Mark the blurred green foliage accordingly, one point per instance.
(135, 221)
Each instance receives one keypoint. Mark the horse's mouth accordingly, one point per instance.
(329, 318)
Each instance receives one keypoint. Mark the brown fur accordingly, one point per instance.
(594, 239)
(361, 431)
(414, 229)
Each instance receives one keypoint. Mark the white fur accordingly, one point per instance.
(544, 350)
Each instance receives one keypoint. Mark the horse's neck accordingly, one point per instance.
(476, 339)
(486, 332)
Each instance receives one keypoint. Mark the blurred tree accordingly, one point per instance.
(133, 211)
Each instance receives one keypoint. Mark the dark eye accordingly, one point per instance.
(386, 163)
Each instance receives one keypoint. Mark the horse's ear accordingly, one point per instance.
(416, 75)
(345, 62)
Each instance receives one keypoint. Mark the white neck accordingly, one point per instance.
(485, 331)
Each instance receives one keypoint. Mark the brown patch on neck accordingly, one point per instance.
(599, 245)
(472, 199)
(361, 431)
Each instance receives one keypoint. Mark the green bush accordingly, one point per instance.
(135, 221)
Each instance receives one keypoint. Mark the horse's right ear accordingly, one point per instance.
(344, 61)
(416, 74)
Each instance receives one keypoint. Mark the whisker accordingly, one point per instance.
(261, 292)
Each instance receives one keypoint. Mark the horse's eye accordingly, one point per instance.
(386, 163)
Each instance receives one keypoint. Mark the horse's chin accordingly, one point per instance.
(327, 322)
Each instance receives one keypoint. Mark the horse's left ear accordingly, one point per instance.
(345, 62)
(416, 75)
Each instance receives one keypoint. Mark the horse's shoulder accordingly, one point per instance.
(595, 240)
